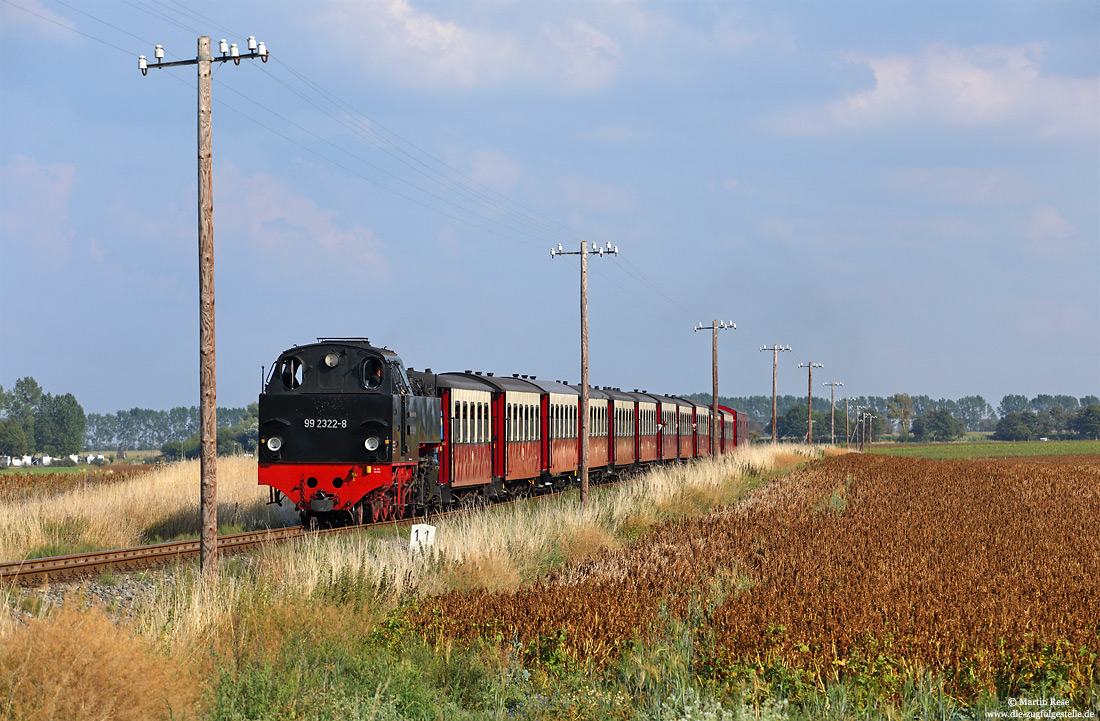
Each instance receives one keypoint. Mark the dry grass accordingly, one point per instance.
(78, 663)
(495, 550)
(499, 549)
(157, 505)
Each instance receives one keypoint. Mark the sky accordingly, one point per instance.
(905, 192)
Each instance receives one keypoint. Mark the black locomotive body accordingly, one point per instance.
(343, 435)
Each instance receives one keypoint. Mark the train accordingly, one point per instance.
(349, 435)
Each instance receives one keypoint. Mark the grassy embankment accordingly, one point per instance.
(157, 504)
(835, 592)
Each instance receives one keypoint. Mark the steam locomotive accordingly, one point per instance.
(349, 435)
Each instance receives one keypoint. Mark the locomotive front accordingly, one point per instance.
(341, 433)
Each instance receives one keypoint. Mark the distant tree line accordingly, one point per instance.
(33, 421)
(922, 418)
(1027, 425)
(144, 428)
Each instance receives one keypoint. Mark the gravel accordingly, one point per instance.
(122, 593)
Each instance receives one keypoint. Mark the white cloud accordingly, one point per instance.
(44, 22)
(1052, 319)
(585, 57)
(1051, 235)
(421, 48)
(448, 238)
(495, 170)
(980, 88)
(581, 193)
(780, 229)
(963, 185)
(737, 32)
(290, 227)
(622, 134)
(34, 208)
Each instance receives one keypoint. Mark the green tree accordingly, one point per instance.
(792, 424)
(1061, 419)
(22, 406)
(976, 413)
(900, 409)
(1016, 426)
(937, 425)
(59, 424)
(1087, 422)
(12, 440)
(1012, 403)
(172, 451)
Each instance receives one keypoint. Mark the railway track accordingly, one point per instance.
(80, 565)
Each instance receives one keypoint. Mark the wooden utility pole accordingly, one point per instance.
(582, 412)
(714, 327)
(208, 404)
(832, 412)
(810, 400)
(714, 389)
(775, 349)
(847, 432)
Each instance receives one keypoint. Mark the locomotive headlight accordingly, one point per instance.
(274, 444)
(332, 360)
(371, 444)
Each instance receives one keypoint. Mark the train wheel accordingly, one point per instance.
(392, 511)
(377, 506)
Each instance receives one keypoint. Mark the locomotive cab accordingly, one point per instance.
(342, 434)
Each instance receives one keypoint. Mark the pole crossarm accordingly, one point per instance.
(582, 411)
(210, 58)
(714, 327)
(776, 349)
(229, 53)
(594, 250)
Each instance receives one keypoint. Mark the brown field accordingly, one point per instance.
(865, 569)
(15, 484)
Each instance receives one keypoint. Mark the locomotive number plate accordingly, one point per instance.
(326, 422)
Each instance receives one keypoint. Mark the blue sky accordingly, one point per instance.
(907, 193)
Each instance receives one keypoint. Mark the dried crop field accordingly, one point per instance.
(19, 484)
(875, 571)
